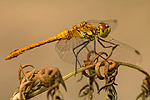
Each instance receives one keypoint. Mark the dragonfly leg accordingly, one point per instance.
(106, 42)
(96, 52)
(113, 47)
(84, 44)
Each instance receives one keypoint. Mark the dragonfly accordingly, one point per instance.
(76, 40)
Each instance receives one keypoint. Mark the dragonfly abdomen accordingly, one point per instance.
(19, 51)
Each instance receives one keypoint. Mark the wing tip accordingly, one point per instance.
(137, 52)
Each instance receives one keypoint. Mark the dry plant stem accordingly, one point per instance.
(119, 63)
(41, 91)
(23, 72)
(85, 68)
(134, 67)
(64, 78)
(78, 71)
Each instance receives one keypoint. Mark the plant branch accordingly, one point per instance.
(119, 63)
(69, 75)
(134, 67)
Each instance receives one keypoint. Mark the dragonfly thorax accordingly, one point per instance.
(90, 35)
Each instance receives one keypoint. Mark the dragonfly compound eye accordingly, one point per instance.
(104, 30)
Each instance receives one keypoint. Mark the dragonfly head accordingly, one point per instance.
(103, 30)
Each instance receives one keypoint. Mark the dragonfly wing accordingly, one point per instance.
(125, 53)
(112, 23)
(64, 49)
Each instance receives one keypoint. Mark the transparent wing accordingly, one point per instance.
(64, 49)
(124, 52)
(112, 23)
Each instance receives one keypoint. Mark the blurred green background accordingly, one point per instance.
(29, 21)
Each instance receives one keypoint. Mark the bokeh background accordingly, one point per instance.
(29, 21)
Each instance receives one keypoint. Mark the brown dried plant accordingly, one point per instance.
(34, 82)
